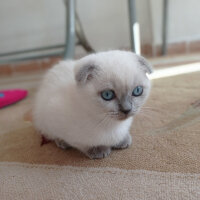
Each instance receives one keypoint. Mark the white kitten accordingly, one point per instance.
(89, 104)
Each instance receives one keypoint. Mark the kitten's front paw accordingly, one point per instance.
(62, 144)
(98, 152)
(125, 143)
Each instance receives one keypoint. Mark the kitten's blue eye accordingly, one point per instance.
(108, 95)
(137, 91)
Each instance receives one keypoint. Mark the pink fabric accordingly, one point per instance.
(8, 97)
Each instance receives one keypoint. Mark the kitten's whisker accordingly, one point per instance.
(102, 121)
(106, 122)
(157, 112)
(144, 117)
(151, 108)
(112, 113)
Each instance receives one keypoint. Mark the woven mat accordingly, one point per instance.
(162, 163)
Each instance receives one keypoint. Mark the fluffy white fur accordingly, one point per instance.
(73, 111)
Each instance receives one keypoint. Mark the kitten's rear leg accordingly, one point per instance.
(125, 143)
(62, 144)
(98, 152)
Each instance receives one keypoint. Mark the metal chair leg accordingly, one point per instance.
(81, 35)
(134, 28)
(165, 27)
(70, 29)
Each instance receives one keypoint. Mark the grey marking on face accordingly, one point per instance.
(146, 66)
(125, 104)
(86, 73)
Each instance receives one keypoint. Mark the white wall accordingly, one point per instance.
(29, 23)
(184, 20)
(105, 22)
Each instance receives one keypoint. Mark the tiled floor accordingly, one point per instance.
(25, 81)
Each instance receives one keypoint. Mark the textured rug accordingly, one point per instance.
(162, 163)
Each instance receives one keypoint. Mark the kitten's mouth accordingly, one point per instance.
(121, 117)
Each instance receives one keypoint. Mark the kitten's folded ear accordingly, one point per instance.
(86, 73)
(145, 65)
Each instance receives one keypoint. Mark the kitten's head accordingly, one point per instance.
(113, 82)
